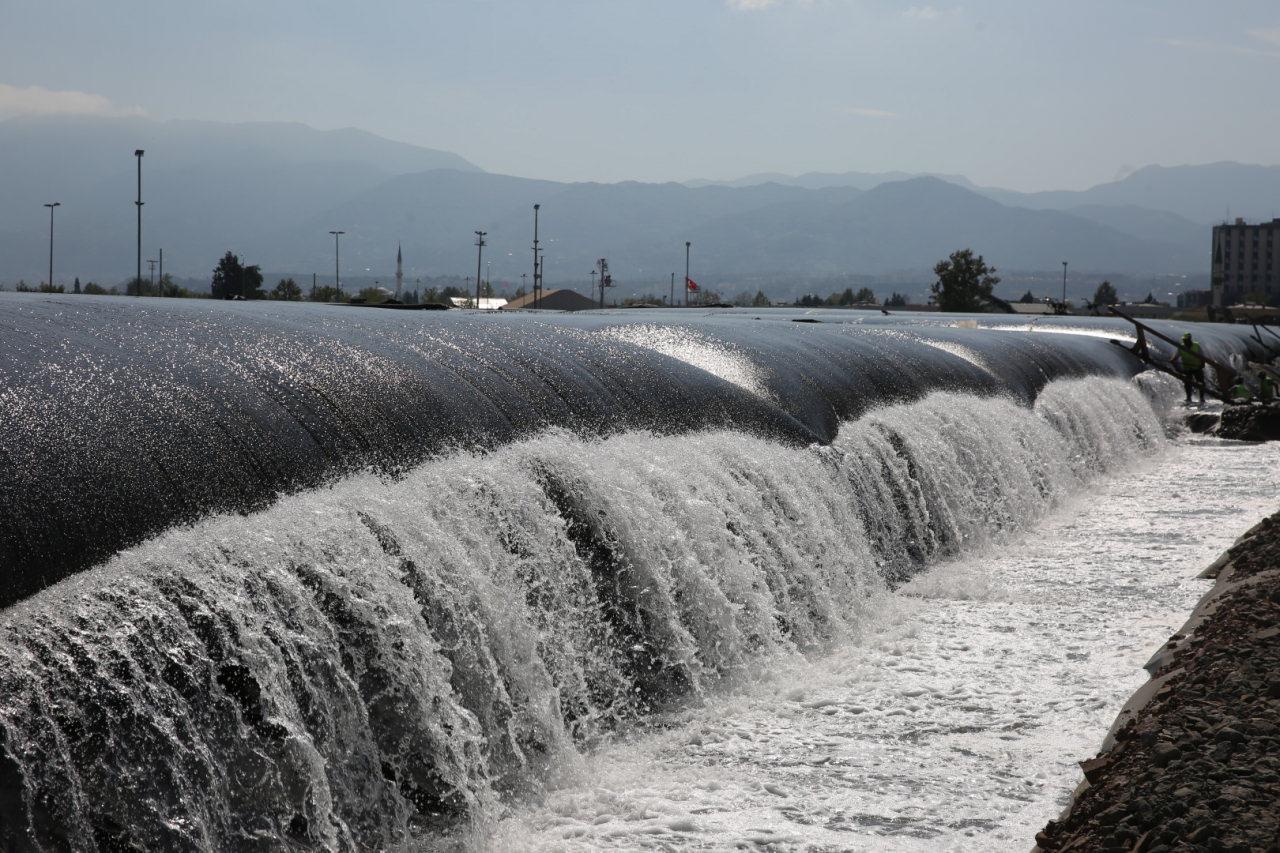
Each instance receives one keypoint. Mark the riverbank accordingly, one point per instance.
(1193, 761)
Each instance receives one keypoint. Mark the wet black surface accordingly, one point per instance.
(123, 417)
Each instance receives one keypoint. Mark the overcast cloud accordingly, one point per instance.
(1023, 94)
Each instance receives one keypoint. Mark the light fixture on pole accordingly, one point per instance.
(480, 244)
(51, 206)
(138, 274)
(536, 275)
(337, 277)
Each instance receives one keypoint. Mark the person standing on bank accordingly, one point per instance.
(1192, 365)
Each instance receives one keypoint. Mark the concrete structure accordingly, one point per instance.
(486, 303)
(554, 300)
(1031, 308)
(1246, 260)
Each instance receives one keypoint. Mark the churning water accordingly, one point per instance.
(398, 662)
(955, 720)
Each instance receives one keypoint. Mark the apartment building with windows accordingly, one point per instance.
(1246, 263)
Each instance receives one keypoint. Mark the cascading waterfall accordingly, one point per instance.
(382, 660)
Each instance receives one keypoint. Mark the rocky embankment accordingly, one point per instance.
(1250, 423)
(1193, 761)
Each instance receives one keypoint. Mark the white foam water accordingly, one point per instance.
(956, 718)
(388, 663)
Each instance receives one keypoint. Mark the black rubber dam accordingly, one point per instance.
(313, 577)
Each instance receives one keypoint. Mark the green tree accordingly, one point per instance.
(77, 286)
(287, 289)
(760, 300)
(896, 300)
(95, 289)
(1105, 294)
(864, 296)
(371, 296)
(1027, 298)
(232, 279)
(964, 282)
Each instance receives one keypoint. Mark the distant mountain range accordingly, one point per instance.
(271, 192)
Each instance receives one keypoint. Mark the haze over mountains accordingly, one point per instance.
(271, 192)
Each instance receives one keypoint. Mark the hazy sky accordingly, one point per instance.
(1018, 93)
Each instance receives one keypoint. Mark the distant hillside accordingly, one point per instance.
(1204, 194)
(831, 180)
(272, 192)
(764, 230)
(205, 185)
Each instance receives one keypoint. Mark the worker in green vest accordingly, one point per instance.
(1191, 362)
(1239, 394)
(1266, 387)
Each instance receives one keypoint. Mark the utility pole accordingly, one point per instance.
(161, 293)
(606, 280)
(480, 244)
(536, 276)
(337, 278)
(593, 280)
(687, 244)
(1064, 285)
(51, 207)
(138, 277)
(672, 300)
(151, 262)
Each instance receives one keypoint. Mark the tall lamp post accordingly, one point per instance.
(480, 244)
(536, 276)
(1064, 285)
(138, 275)
(51, 207)
(337, 277)
(687, 244)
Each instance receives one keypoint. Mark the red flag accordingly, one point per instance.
(690, 284)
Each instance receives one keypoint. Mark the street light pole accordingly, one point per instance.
(687, 244)
(1064, 285)
(51, 207)
(337, 277)
(151, 262)
(138, 275)
(672, 300)
(480, 244)
(593, 282)
(536, 208)
(161, 291)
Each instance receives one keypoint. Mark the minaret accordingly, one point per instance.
(399, 272)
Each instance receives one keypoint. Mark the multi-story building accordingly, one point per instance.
(1246, 263)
